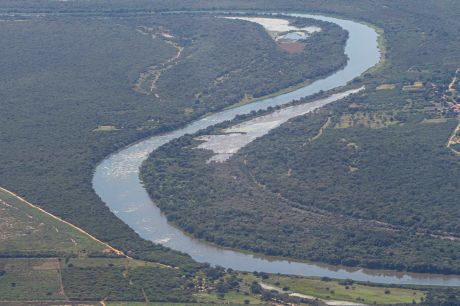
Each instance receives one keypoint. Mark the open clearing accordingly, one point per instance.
(27, 230)
(376, 120)
(386, 87)
(105, 128)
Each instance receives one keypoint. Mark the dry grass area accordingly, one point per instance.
(189, 110)
(434, 121)
(414, 87)
(105, 128)
(27, 230)
(369, 120)
(292, 47)
(386, 87)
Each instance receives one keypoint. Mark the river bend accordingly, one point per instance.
(116, 180)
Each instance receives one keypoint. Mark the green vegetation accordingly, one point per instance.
(303, 230)
(86, 69)
(84, 107)
(443, 297)
(378, 188)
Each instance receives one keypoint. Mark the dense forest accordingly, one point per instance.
(378, 188)
(55, 131)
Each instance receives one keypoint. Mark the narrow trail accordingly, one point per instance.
(455, 136)
(453, 140)
(322, 129)
(454, 81)
(61, 283)
(146, 299)
(146, 83)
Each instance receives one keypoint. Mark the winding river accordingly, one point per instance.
(116, 181)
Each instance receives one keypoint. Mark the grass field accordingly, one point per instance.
(30, 279)
(344, 291)
(28, 231)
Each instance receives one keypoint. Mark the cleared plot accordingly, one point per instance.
(417, 86)
(434, 121)
(386, 87)
(369, 120)
(27, 231)
(30, 279)
(292, 47)
(105, 128)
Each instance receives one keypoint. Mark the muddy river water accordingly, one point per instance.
(116, 181)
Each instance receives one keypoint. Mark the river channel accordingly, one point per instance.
(116, 181)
